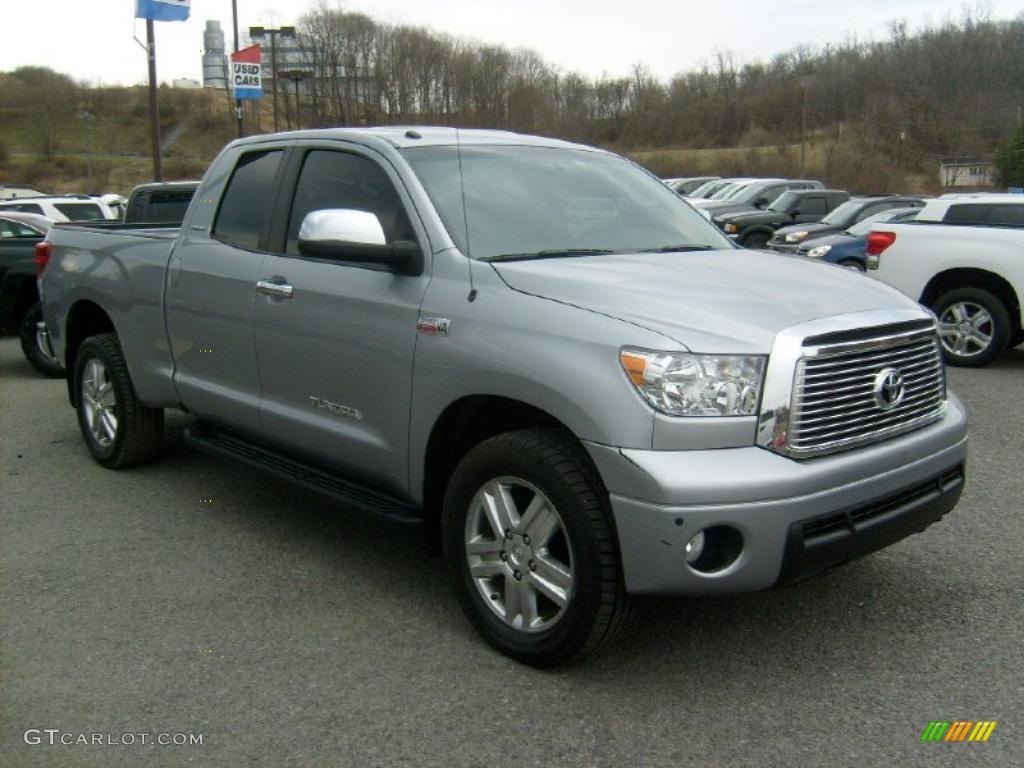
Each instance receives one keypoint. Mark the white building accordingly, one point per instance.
(215, 63)
(970, 173)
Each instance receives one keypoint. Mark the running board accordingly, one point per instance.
(207, 439)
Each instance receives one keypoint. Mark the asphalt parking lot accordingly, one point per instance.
(197, 596)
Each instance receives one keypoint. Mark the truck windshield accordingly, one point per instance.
(541, 201)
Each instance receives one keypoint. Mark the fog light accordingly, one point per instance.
(695, 548)
(714, 549)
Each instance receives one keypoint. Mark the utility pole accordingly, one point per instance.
(803, 133)
(154, 106)
(238, 102)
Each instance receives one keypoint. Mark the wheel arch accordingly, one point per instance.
(85, 318)
(973, 277)
(464, 424)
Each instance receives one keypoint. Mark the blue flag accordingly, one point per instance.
(162, 10)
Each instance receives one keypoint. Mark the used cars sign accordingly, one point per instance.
(246, 79)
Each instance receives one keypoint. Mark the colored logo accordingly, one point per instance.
(958, 730)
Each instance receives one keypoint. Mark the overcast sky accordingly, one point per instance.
(92, 39)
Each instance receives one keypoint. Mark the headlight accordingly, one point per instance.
(681, 384)
(731, 228)
(817, 253)
(795, 237)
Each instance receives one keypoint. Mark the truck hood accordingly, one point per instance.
(749, 218)
(732, 301)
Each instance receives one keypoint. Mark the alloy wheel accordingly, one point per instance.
(519, 554)
(966, 329)
(98, 403)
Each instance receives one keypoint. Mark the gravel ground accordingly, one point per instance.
(197, 596)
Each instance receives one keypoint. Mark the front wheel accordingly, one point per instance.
(118, 429)
(854, 264)
(33, 345)
(974, 326)
(755, 241)
(528, 536)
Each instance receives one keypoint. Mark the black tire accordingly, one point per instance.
(30, 344)
(557, 466)
(998, 329)
(755, 241)
(138, 436)
(853, 264)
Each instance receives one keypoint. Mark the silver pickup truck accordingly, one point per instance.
(575, 383)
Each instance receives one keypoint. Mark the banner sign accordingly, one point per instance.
(246, 77)
(162, 10)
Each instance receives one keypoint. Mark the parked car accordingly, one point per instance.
(962, 258)
(790, 239)
(61, 208)
(729, 189)
(753, 229)
(756, 196)
(160, 202)
(848, 249)
(686, 186)
(545, 379)
(709, 188)
(19, 298)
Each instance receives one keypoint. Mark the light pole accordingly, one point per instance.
(256, 32)
(296, 76)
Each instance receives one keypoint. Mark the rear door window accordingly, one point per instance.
(985, 215)
(25, 208)
(247, 198)
(813, 206)
(80, 211)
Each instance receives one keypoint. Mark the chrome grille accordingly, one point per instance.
(838, 397)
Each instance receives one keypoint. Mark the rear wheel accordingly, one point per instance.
(974, 326)
(528, 535)
(118, 429)
(34, 346)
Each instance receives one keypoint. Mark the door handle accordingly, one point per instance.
(277, 290)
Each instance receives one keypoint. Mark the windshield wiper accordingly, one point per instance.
(553, 253)
(678, 248)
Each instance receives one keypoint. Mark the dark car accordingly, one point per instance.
(848, 248)
(789, 239)
(160, 202)
(686, 186)
(753, 229)
(756, 196)
(19, 296)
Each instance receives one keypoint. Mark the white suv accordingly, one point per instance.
(963, 257)
(64, 208)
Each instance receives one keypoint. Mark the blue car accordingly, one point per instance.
(847, 248)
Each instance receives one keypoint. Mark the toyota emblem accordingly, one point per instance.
(889, 389)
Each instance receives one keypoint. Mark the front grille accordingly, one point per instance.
(837, 398)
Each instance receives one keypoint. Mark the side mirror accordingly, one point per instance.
(796, 212)
(344, 234)
(761, 202)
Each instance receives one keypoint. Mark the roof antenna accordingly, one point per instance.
(465, 214)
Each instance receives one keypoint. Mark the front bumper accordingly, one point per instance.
(791, 248)
(796, 518)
